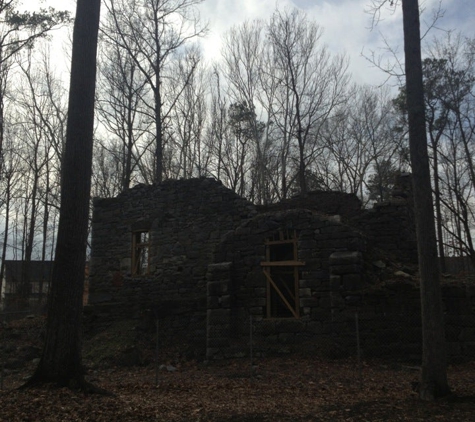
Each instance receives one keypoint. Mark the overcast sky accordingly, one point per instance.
(346, 24)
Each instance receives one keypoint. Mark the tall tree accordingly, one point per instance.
(313, 84)
(17, 31)
(455, 92)
(433, 382)
(189, 117)
(8, 184)
(361, 145)
(434, 362)
(237, 147)
(121, 93)
(217, 128)
(437, 120)
(250, 85)
(61, 359)
(152, 32)
(33, 108)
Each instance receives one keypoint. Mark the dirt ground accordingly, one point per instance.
(290, 388)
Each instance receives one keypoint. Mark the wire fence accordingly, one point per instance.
(356, 336)
(165, 343)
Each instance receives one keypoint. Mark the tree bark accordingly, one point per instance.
(434, 363)
(61, 359)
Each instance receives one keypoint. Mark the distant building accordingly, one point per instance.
(38, 278)
(35, 296)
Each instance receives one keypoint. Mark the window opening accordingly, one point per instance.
(281, 269)
(140, 255)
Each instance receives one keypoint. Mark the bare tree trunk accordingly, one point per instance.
(434, 364)
(8, 177)
(438, 212)
(26, 265)
(158, 131)
(46, 213)
(127, 173)
(61, 359)
(3, 76)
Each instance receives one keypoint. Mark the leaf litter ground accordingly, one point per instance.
(290, 389)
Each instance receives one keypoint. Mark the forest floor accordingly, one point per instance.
(290, 388)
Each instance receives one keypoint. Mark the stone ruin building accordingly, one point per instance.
(209, 263)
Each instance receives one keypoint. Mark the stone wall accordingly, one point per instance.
(243, 294)
(185, 220)
(459, 265)
(390, 225)
(390, 321)
(459, 306)
(206, 282)
(387, 225)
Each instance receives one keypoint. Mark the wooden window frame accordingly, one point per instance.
(137, 249)
(282, 238)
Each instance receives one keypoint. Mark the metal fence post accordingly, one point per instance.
(251, 346)
(358, 348)
(2, 357)
(156, 351)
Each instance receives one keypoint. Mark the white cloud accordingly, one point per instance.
(347, 30)
(57, 4)
(345, 23)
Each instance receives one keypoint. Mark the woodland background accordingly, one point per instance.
(276, 115)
